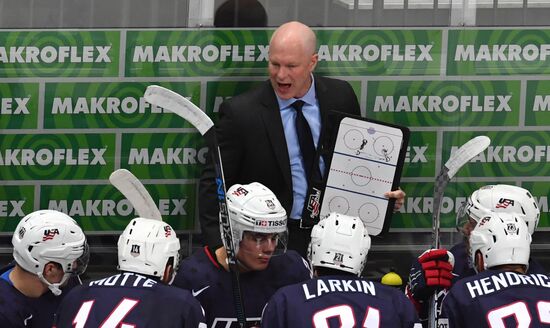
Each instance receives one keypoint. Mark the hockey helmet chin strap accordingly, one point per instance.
(55, 287)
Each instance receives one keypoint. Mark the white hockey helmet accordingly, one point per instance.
(502, 198)
(339, 242)
(254, 208)
(50, 236)
(146, 246)
(502, 238)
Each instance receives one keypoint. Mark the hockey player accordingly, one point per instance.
(139, 295)
(439, 268)
(259, 232)
(338, 297)
(49, 248)
(502, 294)
(493, 198)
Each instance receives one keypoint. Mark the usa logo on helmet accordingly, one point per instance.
(484, 220)
(50, 234)
(504, 203)
(240, 192)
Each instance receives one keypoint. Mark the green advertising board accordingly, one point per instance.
(498, 52)
(163, 155)
(103, 208)
(346, 52)
(59, 53)
(511, 154)
(15, 202)
(445, 103)
(56, 156)
(19, 105)
(72, 111)
(537, 110)
(111, 105)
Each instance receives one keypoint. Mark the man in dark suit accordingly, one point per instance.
(258, 136)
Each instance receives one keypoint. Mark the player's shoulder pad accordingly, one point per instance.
(75, 292)
(387, 292)
(198, 261)
(173, 292)
(196, 270)
(459, 287)
(294, 260)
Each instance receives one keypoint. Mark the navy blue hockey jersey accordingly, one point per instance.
(497, 298)
(339, 301)
(129, 300)
(15, 308)
(211, 285)
(18, 310)
(463, 269)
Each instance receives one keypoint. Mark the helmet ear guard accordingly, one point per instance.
(339, 242)
(46, 236)
(501, 238)
(146, 246)
(501, 198)
(255, 208)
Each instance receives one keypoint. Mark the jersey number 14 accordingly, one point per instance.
(113, 320)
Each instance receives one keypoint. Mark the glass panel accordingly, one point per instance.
(350, 4)
(421, 4)
(394, 4)
(510, 3)
(490, 70)
(538, 3)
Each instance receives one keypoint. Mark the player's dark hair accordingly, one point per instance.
(170, 261)
(324, 271)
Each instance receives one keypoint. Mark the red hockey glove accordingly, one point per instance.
(432, 270)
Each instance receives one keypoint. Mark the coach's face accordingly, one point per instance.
(290, 69)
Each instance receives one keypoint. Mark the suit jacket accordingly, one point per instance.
(253, 145)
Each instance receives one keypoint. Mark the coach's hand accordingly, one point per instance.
(432, 270)
(399, 196)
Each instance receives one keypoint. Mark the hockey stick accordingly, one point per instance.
(458, 159)
(135, 192)
(184, 108)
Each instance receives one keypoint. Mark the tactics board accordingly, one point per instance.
(367, 161)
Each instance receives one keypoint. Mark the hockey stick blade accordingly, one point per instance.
(179, 105)
(135, 192)
(465, 153)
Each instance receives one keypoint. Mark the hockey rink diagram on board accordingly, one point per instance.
(363, 167)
